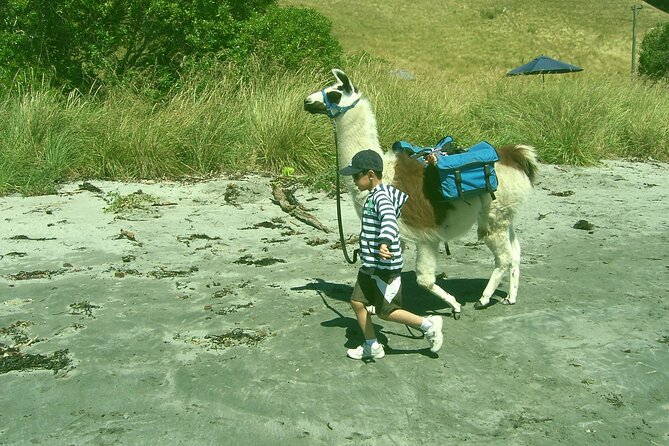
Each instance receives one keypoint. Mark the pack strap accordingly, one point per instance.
(486, 170)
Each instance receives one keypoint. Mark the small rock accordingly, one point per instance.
(584, 225)
(89, 187)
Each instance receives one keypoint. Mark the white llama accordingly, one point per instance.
(424, 222)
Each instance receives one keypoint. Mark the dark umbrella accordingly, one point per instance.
(544, 65)
(662, 5)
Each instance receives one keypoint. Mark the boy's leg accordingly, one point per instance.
(405, 317)
(432, 325)
(364, 319)
(370, 349)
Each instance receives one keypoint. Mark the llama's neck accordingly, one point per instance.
(356, 131)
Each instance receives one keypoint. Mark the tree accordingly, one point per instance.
(80, 43)
(654, 53)
(291, 36)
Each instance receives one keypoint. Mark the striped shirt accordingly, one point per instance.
(379, 226)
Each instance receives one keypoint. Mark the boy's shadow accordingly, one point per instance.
(415, 299)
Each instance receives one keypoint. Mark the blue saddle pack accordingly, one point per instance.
(463, 174)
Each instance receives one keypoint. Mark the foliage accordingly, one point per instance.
(654, 53)
(83, 44)
(292, 37)
(117, 203)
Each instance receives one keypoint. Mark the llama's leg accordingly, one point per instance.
(498, 242)
(426, 262)
(514, 276)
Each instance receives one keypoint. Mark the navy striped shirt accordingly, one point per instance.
(379, 226)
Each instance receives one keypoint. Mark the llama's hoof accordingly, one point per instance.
(506, 301)
(479, 306)
(456, 315)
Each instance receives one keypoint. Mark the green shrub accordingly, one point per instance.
(290, 37)
(654, 53)
(80, 44)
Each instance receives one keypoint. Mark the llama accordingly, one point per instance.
(425, 222)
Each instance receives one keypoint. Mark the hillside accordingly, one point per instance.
(478, 36)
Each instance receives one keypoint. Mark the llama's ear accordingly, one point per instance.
(343, 78)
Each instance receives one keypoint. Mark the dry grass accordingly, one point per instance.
(464, 39)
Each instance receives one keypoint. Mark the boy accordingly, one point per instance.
(379, 282)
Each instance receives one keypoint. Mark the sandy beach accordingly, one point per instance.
(207, 315)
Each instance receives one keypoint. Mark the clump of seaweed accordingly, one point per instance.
(85, 308)
(238, 336)
(12, 358)
(17, 333)
(163, 273)
(234, 308)
(248, 260)
(31, 275)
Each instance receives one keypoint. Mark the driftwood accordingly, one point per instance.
(289, 204)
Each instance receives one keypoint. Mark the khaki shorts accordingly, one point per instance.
(367, 292)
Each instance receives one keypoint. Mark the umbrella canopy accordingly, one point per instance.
(544, 65)
(662, 5)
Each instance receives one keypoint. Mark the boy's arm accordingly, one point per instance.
(389, 229)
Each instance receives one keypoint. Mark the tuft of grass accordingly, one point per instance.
(225, 119)
(569, 119)
(118, 203)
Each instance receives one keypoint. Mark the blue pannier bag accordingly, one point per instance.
(464, 174)
(470, 173)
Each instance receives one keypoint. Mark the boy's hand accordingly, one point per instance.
(384, 252)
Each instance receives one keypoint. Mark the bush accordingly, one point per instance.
(654, 53)
(290, 37)
(80, 44)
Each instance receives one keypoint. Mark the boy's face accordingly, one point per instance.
(365, 180)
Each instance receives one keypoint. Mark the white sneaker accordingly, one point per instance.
(366, 351)
(434, 334)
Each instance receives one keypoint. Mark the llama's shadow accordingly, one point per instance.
(466, 291)
(353, 334)
(415, 300)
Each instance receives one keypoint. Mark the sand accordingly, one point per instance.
(211, 317)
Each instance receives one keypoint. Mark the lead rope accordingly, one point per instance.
(338, 189)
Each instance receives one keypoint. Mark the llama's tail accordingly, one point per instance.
(521, 157)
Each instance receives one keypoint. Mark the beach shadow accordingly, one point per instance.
(354, 336)
(415, 299)
(338, 291)
(419, 301)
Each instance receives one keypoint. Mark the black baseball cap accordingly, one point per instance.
(362, 162)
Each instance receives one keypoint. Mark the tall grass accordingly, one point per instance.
(227, 120)
(570, 119)
(219, 121)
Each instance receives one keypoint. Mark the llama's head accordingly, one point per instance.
(335, 99)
